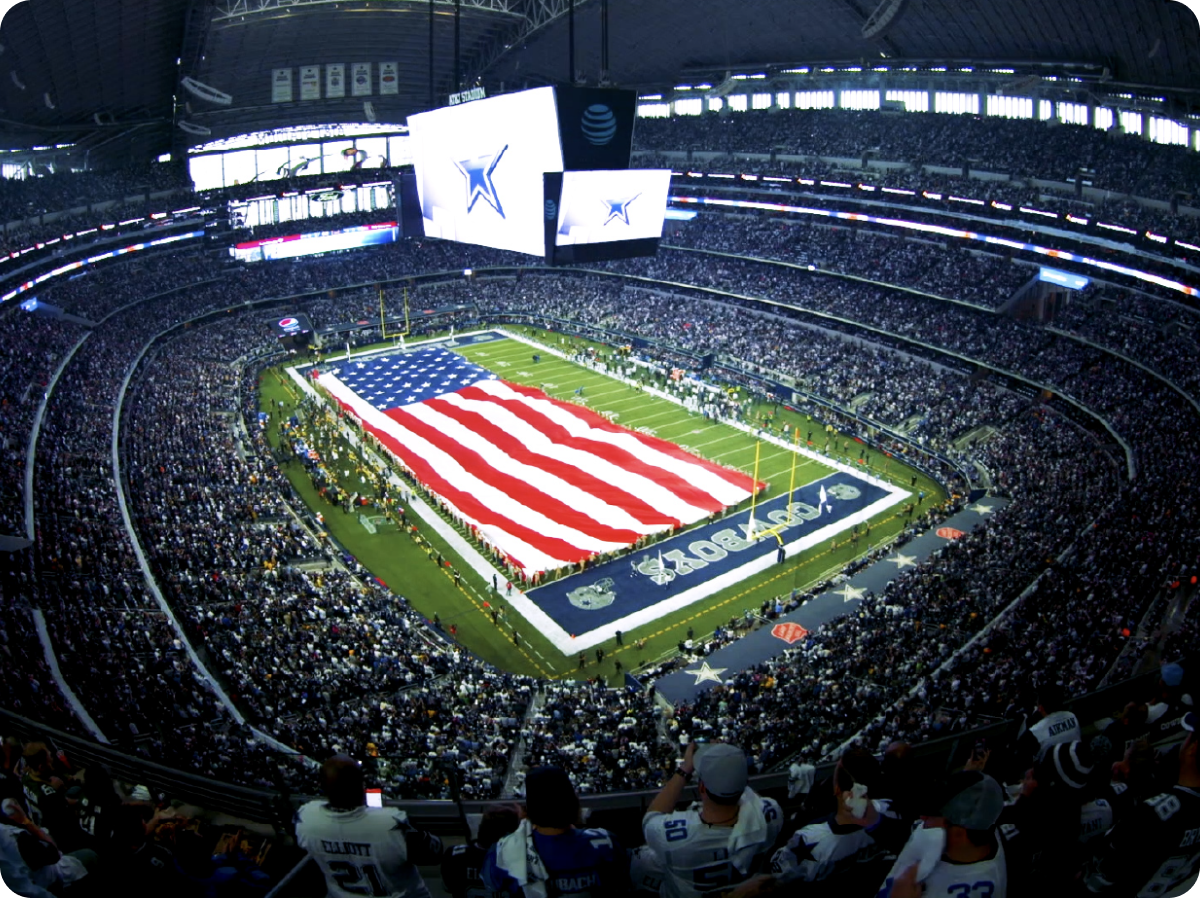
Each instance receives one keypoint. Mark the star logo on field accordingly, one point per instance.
(902, 561)
(619, 208)
(478, 172)
(980, 508)
(850, 593)
(705, 673)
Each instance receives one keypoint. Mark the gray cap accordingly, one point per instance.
(722, 769)
(973, 800)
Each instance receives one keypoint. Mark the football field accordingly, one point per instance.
(692, 582)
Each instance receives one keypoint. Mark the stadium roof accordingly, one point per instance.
(99, 72)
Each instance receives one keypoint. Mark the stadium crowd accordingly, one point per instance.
(1022, 149)
(339, 662)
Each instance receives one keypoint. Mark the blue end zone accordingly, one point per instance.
(615, 590)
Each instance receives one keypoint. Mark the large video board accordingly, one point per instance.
(479, 169)
(607, 206)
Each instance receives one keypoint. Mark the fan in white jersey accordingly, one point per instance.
(958, 853)
(361, 850)
(1155, 849)
(718, 842)
(846, 851)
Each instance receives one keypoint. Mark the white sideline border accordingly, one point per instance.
(568, 643)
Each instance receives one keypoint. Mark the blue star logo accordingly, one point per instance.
(478, 172)
(619, 208)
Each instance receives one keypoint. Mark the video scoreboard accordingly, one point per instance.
(543, 172)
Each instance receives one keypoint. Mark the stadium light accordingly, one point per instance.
(204, 92)
(883, 18)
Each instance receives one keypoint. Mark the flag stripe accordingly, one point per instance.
(464, 449)
(722, 485)
(676, 497)
(545, 482)
(531, 447)
(474, 498)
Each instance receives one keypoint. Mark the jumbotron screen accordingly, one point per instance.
(479, 169)
(608, 206)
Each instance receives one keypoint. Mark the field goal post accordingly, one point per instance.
(777, 529)
(383, 320)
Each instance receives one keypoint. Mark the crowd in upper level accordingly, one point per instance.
(191, 471)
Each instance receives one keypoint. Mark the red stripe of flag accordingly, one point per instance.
(468, 505)
(635, 506)
(599, 422)
(518, 490)
(692, 495)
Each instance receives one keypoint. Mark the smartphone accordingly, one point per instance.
(374, 798)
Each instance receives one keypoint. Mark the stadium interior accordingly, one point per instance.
(879, 432)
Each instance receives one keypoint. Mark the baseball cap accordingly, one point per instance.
(140, 793)
(550, 799)
(722, 769)
(973, 800)
(75, 792)
(1172, 674)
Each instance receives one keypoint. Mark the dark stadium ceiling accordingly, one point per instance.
(105, 73)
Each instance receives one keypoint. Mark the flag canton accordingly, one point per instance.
(406, 378)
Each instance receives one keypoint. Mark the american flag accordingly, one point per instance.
(548, 483)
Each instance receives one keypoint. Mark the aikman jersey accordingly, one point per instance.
(841, 854)
(987, 878)
(1153, 851)
(1056, 727)
(366, 851)
(698, 858)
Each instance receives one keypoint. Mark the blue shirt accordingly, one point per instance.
(585, 862)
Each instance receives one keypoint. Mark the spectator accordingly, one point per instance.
(462, 865)
(30, 860)
(362, 850)
(1155, 849)
(959, 850)
(548, 855)
(721, 841)
(847, 852)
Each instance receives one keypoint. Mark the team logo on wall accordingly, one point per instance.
(478, 172)
(656, 569)
(619, 209)
(790, 632)
(551, 210)
(599, 125)
(594, 596)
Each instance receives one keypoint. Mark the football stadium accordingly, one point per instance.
(591, 447)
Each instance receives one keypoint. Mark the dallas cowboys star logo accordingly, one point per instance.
(704, 673)
(619, 208)
(478, 172)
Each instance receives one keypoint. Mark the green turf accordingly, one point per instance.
(408, 569)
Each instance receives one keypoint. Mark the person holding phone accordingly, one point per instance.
(362, 850)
